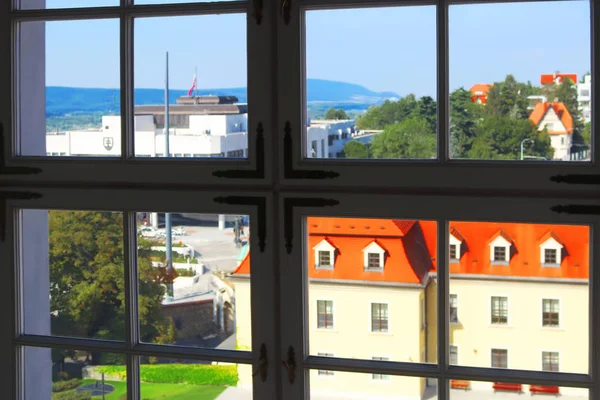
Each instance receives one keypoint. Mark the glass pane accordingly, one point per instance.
(522, 314)
(174, 1)
(41, 4)
(198, 276)
(519, 101)
(371, 108)
(474, 390)
(69, 88)
(72, 274)
(336, 385)
(174, 379)
(208, 110)
(67, 374)
(390, 310)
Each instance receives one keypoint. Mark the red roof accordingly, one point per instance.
(540, 110)
(480, 92)
(411, 255)
(557, 78)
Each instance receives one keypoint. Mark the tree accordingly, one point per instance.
(586, 134)
(499, 138)
(332, 113)
(393, 112)
(87, 292)
(508, 99)
(411, 138)
(354, 149)
(464, 115)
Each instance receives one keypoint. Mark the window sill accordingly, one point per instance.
(381, 333)
(505, 326)
(328, 330)
(501, 263)
(553, 328)
(550, 265)
(325, 267)
(373, 269)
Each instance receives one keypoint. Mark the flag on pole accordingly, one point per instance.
(193, 87)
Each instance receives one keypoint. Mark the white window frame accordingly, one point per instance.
(389, 315)
(457, 308)
(457, 352)
(333, 325)
(551, 244)
(490, 312)
(374, 248)
(324, 245)
(542, 358)
(501, 243)
(560, 316)
(507, 357)
(458, 246)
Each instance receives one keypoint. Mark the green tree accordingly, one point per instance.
(464, 115)
(332, 113)
(411, 138)
(427, 109)
(586, 134)
(499, 138)
(87, 292)
(354, 149)
(508, 99)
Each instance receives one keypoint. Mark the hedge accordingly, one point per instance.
(194, 374)
(61, 386)
(71, 396)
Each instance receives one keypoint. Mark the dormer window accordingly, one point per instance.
(374, 257)
(324, 255)
(500, 248)
(456, 245)
(551, 250)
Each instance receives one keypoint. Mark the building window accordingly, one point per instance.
(379, 317)
(550, 256)
(379, 377)
(453, 308)
(499, 254)
(499, 310)
(325, 314)
(322, 148)
(373, 261)
(324, 259)
(324, 372)
(550, 313)
(499, 358)
(550, 361)
(562, 140)
(453, 355)
(453, 252)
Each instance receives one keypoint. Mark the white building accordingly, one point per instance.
(207, 126)
(327, 138)
(556, 120)
(584, 97)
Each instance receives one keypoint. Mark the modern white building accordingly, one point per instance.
(584, 97)
(204, 126)
(327, 138)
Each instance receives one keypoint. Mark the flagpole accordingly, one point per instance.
(196, 76)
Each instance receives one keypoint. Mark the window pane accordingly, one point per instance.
(72, 274)
(40, 4)
(173, 379)
(203, 281)
(491, 390)
(208, 110)
(518, 101)
(521, 308)
(392, 311)
(73, 374)
(369, 108)
(174, 1)
(351, 385)
(69, 88)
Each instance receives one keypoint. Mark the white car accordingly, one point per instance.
(179, 231)
(148, 231)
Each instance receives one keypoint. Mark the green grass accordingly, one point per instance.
(163, 391)
(193, 374)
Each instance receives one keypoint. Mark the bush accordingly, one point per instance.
(71, 396)
(194, 374)
(61, 386)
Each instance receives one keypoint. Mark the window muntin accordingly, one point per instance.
(550, 313)
(453, 308)
(324, 314)
(550, 256)
(499, 358)
(499, 253)
(499, 310)
(324, 258)
(380, 377)
(373, 261)
(379, 317)
(550, 360)
(453, 252)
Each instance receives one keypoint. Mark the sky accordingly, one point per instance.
(383, 49)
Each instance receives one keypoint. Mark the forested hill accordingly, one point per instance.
(67, 100)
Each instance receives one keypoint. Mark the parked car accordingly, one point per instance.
(178, 231)
(148, 231)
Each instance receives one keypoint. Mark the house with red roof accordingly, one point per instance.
(557, 78)
(557, 121)
(517, 292)
(479, 92)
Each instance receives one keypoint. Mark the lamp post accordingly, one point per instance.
(522, 143)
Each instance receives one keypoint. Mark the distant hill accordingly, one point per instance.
(62, 101)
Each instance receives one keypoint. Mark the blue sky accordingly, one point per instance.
(380, 48)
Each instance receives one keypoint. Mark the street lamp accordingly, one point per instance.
(522, 143)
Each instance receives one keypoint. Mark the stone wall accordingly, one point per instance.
(192, 320)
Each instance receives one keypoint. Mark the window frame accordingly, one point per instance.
(456, 320)
(388, 329)
(494, 323)
(550, 352)
(558, 325)
(326, 328)
(492, 349)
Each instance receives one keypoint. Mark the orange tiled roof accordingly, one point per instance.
(540, 110)
(410, 256)
(479, 91)
(551, 78)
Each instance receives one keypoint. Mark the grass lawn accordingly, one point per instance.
(164, 391)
